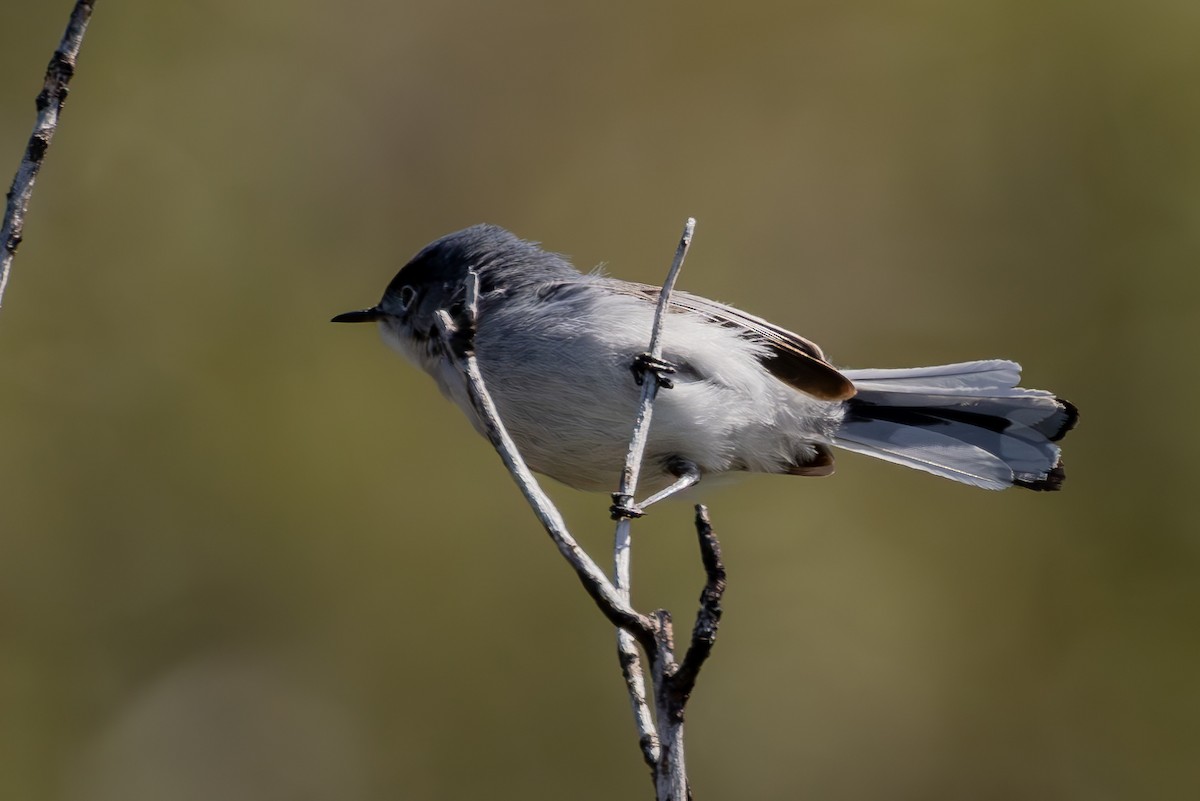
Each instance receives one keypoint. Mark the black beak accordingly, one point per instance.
(363, 316)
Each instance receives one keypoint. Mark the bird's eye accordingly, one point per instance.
(407, 296)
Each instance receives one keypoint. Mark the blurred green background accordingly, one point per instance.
(245, 554)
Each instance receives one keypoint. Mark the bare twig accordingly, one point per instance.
(49, 106)
(670, 774)
(630, 660)
(674, 682)
(704, 633)
(641, 425)
(460, 348)
(627, 652)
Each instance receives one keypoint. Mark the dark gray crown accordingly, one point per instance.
(501, 259)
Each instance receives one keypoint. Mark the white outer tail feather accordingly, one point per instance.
(969, 422)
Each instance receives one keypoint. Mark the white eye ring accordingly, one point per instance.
(407, 296)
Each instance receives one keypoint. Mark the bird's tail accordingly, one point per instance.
(969, 422)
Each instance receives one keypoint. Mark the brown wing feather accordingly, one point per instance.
(792, 358)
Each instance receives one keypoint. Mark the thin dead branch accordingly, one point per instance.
(49, 107)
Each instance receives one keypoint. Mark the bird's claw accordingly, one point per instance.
(645, 363)
(624, 508)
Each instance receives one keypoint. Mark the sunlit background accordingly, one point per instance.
(245, 554)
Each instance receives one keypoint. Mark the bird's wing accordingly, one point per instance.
(790, 357)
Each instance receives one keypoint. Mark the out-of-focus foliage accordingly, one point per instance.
(245, 554)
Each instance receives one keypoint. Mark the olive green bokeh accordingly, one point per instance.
(248, 554)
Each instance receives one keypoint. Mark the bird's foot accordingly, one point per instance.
(624, 508)
(645, 363)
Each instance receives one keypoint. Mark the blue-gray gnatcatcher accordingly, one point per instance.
(555, 348)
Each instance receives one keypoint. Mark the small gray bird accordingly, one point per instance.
(555, 348)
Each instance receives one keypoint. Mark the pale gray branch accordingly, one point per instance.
(460, 348)
(627, 652)
(641, 426)
(49, 107)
